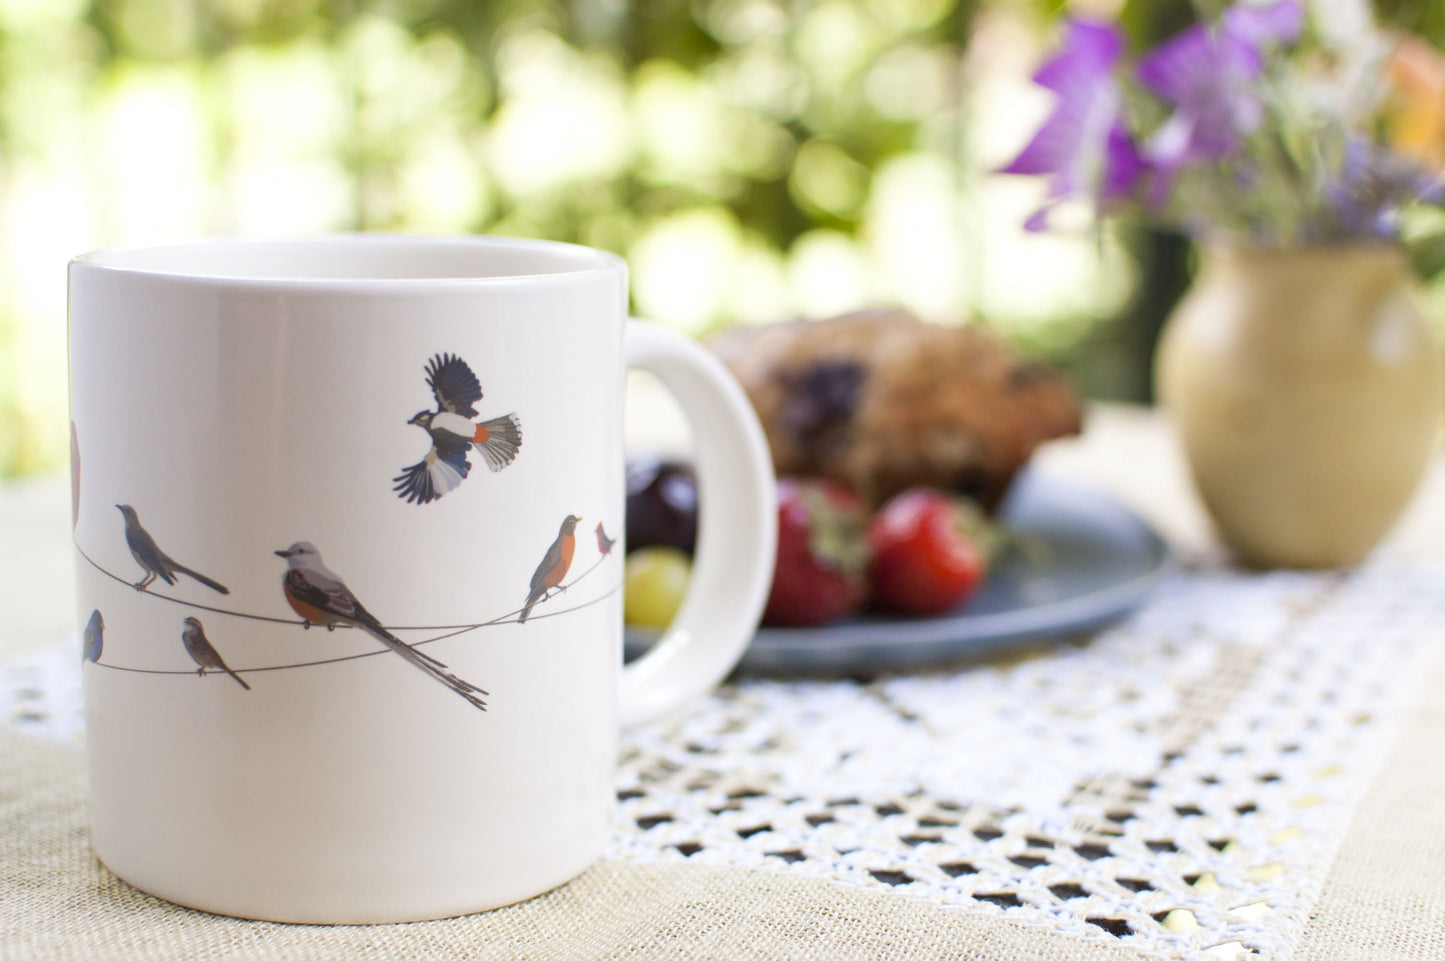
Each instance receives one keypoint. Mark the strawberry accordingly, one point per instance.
(930, 552)
(822, 566)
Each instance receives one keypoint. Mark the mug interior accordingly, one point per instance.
(358, 257)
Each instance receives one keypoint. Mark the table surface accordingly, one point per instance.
(1248, 767)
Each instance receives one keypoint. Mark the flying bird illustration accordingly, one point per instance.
(554, 566)
(604, 543)
(152, 559)
(453, 433)
(316, 593)
(94, 637)
(204, 653)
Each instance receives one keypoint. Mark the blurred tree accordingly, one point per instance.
(751, 158)
(1425, 17)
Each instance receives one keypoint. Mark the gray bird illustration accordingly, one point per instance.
(152, 559)
(94, 637)
(554, 566)
(204, 653)
(316, 593)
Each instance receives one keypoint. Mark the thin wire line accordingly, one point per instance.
(298, 623)
(509, 616)
(454, 630)
(184, 603)
(381, 650)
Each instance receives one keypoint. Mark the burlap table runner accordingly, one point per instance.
(697, 873)
(57, 901)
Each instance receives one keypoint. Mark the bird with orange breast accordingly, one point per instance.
(322, 599)
(554, 566)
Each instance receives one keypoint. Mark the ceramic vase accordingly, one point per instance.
(1306, 388)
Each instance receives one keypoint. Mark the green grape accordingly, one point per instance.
(655, 581)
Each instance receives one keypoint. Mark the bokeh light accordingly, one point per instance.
(754, 159)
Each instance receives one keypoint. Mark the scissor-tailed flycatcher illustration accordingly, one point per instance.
(316, 593)
(155, 561)
(204, 653)
(453, 433)
(554, 566)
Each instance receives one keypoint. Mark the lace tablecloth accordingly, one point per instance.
(1247, 767)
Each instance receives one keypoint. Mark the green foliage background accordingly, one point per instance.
(776, 135)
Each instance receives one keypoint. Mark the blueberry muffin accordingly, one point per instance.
(884, 401)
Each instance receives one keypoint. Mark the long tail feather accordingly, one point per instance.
(427, 657)
(469, 692)
(213, 585)
(236, 677)
(503, 438)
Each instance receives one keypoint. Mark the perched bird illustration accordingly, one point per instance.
(452, 433)
(554, 566)
(94, 637)
(155, 561)
(316, 593)
(604, 543)
(204, 653)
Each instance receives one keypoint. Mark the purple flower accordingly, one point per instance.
(1082, 147)
(1265, 26)
(1366, 198)
(1208, 74)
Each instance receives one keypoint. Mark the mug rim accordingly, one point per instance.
(570, 262)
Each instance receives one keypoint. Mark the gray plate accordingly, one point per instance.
(1078, 559)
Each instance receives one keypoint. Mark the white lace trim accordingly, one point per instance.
(1180, 781)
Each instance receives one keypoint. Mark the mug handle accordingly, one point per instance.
(737, 525)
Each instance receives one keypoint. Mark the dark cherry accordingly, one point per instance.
(661, 504)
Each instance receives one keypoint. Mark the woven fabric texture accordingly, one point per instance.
(60, 904)
(1176, 787)
(1385, 896)
(1248, 767)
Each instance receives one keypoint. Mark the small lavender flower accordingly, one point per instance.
(1082, 147)
(1372, 188)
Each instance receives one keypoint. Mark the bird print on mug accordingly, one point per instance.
(604, 543)
(94, 637)
(321, 598)
(555, 562)
(203, 652)
(453, 433)
(154, 561)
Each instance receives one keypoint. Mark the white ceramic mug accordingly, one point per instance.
(353, 632)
